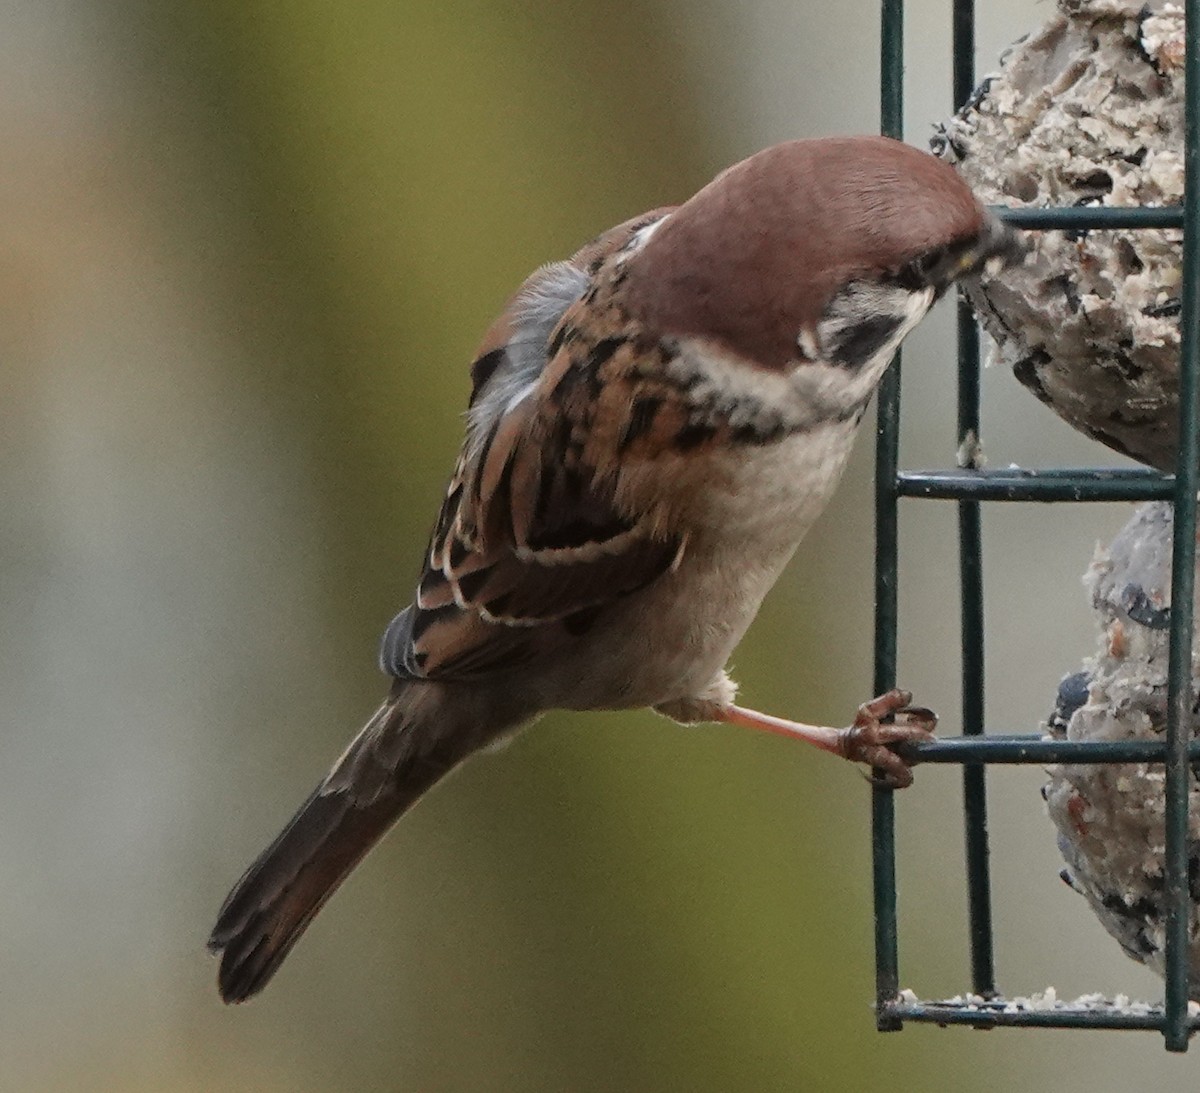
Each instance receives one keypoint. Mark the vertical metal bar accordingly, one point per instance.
(970, 561)
(887, 456)
(1183, 568)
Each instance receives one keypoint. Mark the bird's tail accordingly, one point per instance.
(401, 752)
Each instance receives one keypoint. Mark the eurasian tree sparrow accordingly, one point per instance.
(653, 426)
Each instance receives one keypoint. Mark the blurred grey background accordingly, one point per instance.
(246, 251)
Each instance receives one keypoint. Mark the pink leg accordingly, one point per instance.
(868, 740)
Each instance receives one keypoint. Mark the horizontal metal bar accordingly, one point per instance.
(1019, 484)
(1005, 1015)
(1092, 217)
(1031, 748)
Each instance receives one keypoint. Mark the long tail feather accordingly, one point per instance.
(392, 762)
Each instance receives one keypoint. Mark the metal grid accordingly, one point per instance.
(975, 750)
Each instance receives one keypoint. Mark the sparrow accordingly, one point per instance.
(653, 425)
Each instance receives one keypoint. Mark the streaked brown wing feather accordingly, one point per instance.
(529, 537)
(485, 600)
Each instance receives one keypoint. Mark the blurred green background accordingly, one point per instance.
(246, 251)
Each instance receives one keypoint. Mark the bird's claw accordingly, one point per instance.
(878, 727)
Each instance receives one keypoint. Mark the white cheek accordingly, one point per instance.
(919, 303)
(915, 309)
(836, 388)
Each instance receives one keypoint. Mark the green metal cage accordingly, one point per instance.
(975, 749)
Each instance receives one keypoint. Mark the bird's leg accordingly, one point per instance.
(879, 724)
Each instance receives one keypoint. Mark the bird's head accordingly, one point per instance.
(823, 250)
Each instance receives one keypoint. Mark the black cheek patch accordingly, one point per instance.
(855, 344)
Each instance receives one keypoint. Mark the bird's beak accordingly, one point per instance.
(997, 248)
(994, 248)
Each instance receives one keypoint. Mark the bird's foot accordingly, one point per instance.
(878, 727)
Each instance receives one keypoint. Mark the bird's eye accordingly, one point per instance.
(926, 264)
(922, 271)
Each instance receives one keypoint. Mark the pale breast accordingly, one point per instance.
(746, 510)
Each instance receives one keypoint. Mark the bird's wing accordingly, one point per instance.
(530, 535)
